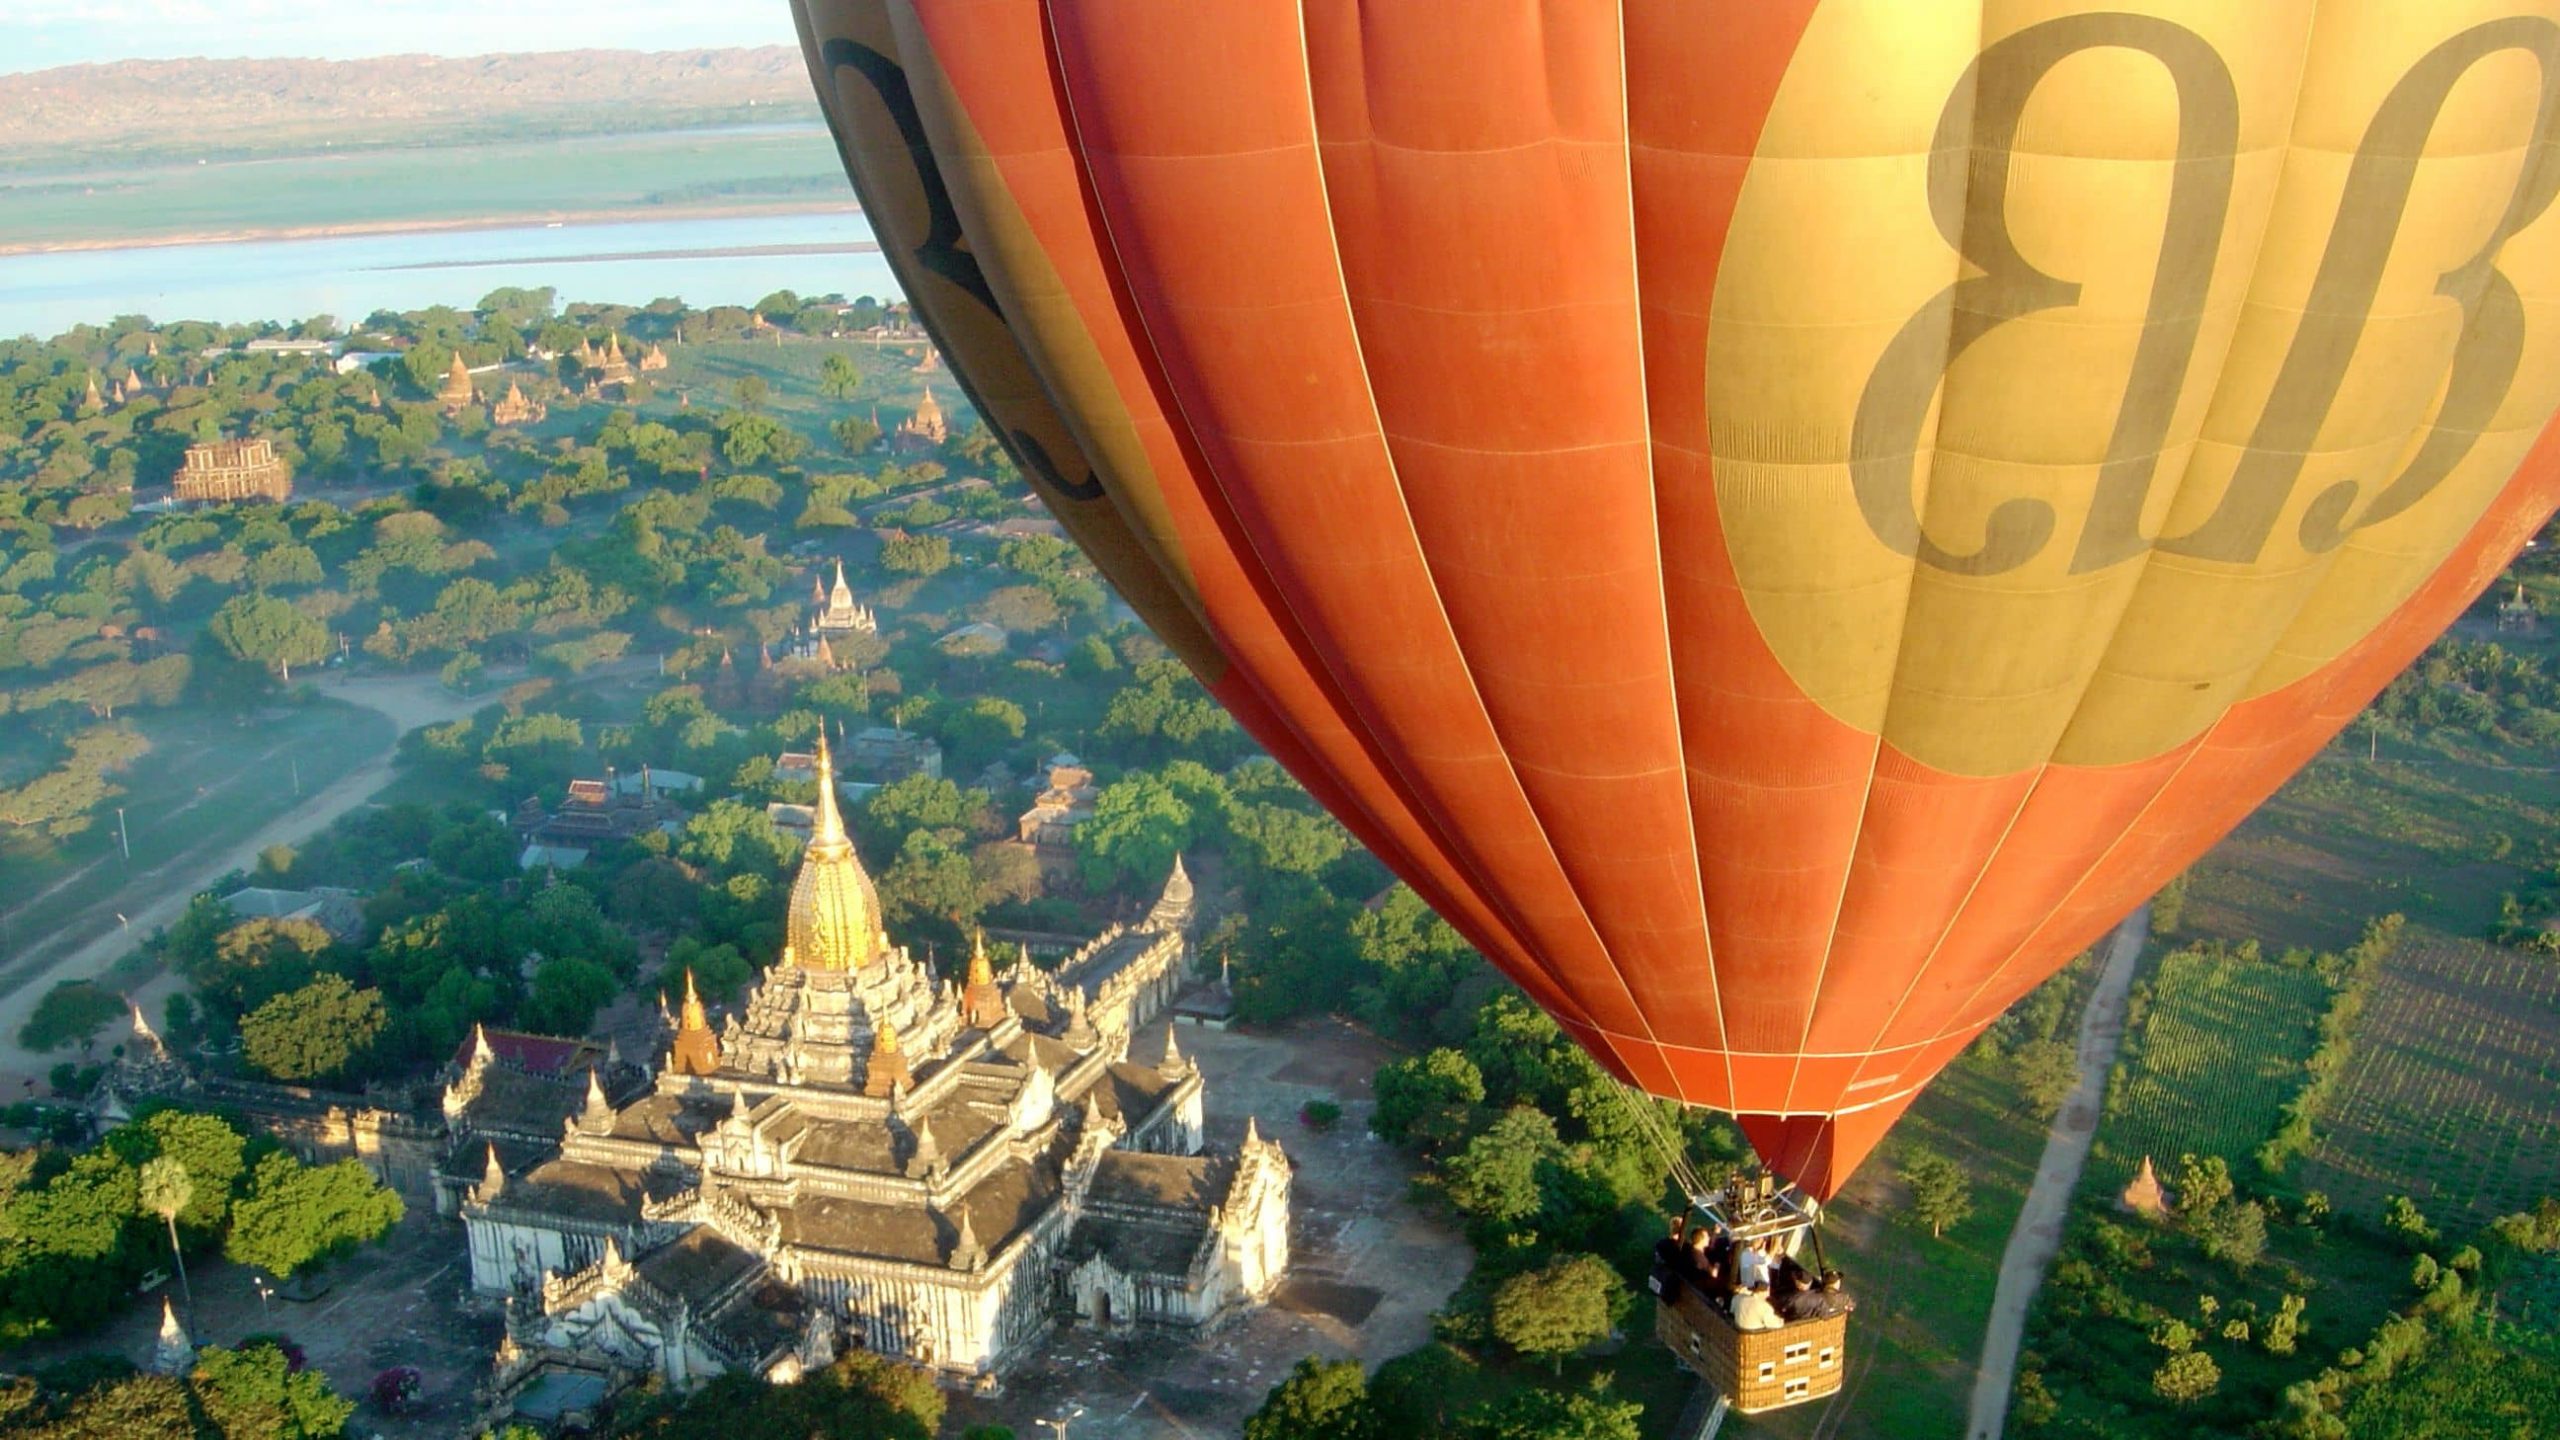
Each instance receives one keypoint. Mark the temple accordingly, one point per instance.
(833, 615)
(219, 471)
(457, 394)
(926, 428)
(864, 1155)
(614, 368)
(515, 408)
(833, 612)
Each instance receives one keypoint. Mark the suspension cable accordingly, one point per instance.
(1674, 1155)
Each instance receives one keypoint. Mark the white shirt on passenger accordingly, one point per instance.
(1752, 1311)
(1752, 1267)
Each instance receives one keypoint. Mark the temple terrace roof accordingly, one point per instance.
(537, 1054)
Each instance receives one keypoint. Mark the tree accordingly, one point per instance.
(62, 800)
(206, 1145)
(924, 555)
(2284, 1330)
(1941, 1195)
(1426, 1098)
(1421, 1391)
(930, 881)
(1137, 826)
(838, 377)
(1021, 609)
(2169, 907)
(855, 434)
(567, 992)
(2401, 1216)
(314, 1032)
(1006, 874)
(282, 567)
(252, 961)
(263, 630)
(2236, 1233)
(296, 1214)
(921, 802)
(983, 729)
(70, 1012)
(1321, 1400)
(1542, 1414)
(1557, 1308)
(119, 1405)
(1288, 840)
(862, 1396)
(1496, 1175)
(2186, 1377)
(256, 1391)
(2204, 1188)
(2046, 1071)
(729, 838)
(165, 1189)
(752, 391)
(748, 439)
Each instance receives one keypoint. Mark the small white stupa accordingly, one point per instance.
(175, 1354)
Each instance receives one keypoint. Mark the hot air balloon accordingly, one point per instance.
(1782, 519)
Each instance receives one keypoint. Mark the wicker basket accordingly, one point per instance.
(1759, 1369)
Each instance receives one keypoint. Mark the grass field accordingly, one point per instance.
(2449, 1095)
(205, 783)
(2218, 1052)
(667, 172)
(889, 381)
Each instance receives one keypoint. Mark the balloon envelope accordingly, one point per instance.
(1782, 520)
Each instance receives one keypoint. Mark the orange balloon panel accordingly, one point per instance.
(1784, 519)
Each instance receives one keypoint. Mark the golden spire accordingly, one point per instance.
(981, 1002)
(834, 919)
(888, 1069)
(694, 1016)
(696, 1050)
(828, 829)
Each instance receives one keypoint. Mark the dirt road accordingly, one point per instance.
(408, 700)
(2038, 1235)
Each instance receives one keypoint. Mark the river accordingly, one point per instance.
(731, 260)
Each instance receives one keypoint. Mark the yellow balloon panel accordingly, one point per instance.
(2154, 352)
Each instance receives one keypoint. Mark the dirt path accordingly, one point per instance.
(2038, 1234)
(408, 700)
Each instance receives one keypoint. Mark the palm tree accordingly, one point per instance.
(166, 1189)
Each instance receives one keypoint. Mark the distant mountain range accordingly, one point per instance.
(141, 111)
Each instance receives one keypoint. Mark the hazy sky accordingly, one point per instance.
(35, 34)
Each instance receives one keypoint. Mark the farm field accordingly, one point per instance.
(2218, 1050)
(2448, 1096)
(2437, 835)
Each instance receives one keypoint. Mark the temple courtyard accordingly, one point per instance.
(1367, 1265)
